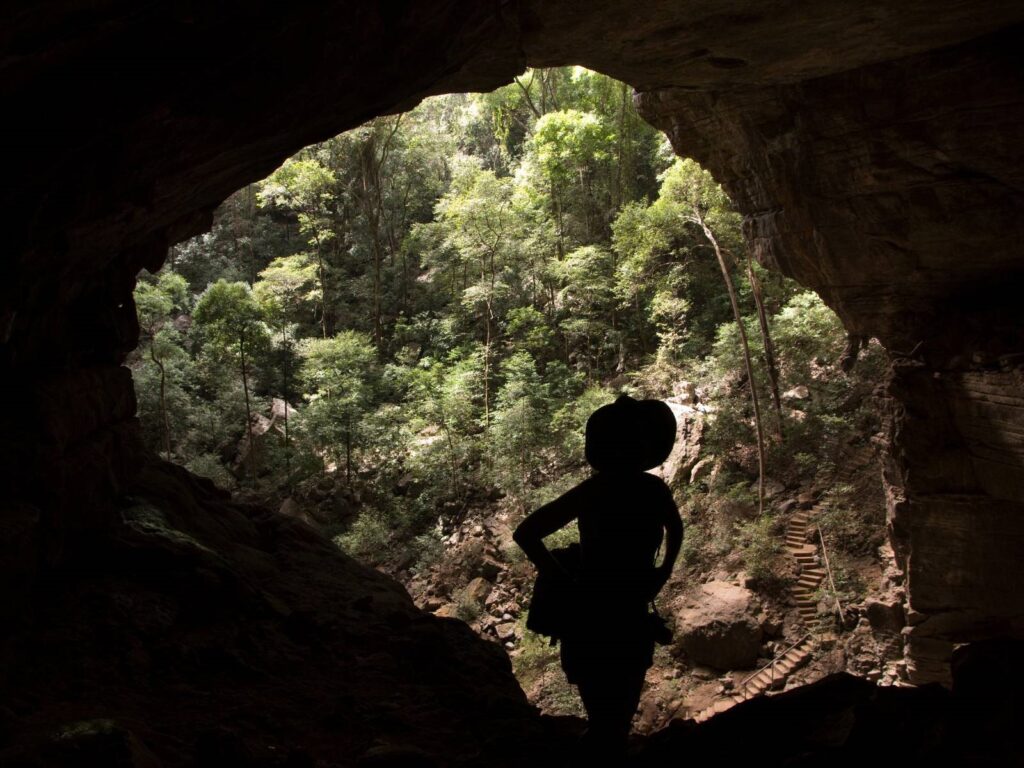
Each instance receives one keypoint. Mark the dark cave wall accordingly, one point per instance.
(874, 149)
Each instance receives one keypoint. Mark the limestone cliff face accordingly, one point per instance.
(894, 192)
(873, 147)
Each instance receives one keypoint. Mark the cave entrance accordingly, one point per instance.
(397, 337)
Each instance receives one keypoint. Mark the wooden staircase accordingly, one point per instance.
(763, 680)
(804, 553)
(801, 545)
(802, 550)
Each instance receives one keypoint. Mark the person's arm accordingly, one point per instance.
(542, 523)
(673, 524)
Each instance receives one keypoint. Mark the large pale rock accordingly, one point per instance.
(716, 626)
(686, 449)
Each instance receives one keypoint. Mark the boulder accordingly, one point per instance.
(796, 393)
(701, 468)
(477, 590)
(489, 568)
(885, 616)
(717, 626)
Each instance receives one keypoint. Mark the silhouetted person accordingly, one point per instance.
(623, 515)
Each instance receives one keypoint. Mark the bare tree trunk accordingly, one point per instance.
(248, 412)
(323, 285)
(557, 202)
(163, 399)
(746, 357)
(487, 371)
(348, 451)
(287, 438)
(769, 347)
(526, 94)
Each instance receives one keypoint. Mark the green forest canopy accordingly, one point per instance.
(442, 297)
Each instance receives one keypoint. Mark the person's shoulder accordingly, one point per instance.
(657, 487)
(653, 481)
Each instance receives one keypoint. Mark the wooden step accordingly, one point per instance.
(795, 550)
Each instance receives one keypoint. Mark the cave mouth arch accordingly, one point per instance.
(869, 148)
(367, 510)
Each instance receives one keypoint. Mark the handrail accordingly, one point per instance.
(773, 662)
(831, 581)
(747, 679)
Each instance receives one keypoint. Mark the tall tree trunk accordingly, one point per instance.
(699, 219)
(557, 203)
(250, 212)
(248, 411)
(640, 323)
(323, 284)
(163, 399)
(620, 140)
(348, 451)
(769, 347)
(287, 438)
(370, 198)
(487, 368)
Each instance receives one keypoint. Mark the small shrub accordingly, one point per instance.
(207, 465)
(760, 548)
(695, 543)
(850, 529)
(468, 609)
(429, 550)
(367, 538)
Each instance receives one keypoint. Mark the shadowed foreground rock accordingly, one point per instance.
(847, 721)
(874, 149)
(205, 632)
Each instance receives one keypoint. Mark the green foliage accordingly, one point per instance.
(852, 522)
(760, 543)
(445, 296)
(207, 465)
(520, 430)
(337, 373)
(367, 538)
(228, 317)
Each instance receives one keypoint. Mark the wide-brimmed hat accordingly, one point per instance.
(630, 435)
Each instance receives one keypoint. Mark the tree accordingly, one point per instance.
(570, 149)
(155, 304)
(305, 187)
(228, 318)
(587, 301)
(338, 370)
(521, 424)
(702, 202)
(479, 224)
